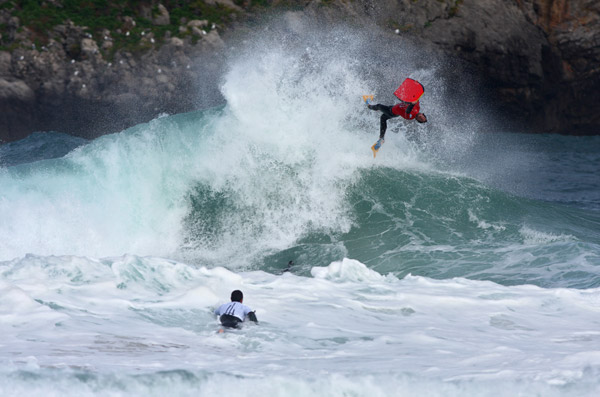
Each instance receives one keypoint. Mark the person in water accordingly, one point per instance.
(409, 111)
(235, 312)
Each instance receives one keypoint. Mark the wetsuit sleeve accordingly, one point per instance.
(252, 317)
(249, 313)
(413, 110)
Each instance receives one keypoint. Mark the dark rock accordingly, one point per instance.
(537, 61)
(538, 58)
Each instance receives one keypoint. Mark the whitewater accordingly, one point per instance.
(463, 260)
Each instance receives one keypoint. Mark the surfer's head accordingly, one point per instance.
(421, 118)
(237, 296)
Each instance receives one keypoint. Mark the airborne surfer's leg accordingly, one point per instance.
(379, 106)
(383, 125)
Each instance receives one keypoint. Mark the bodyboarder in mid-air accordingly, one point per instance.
(409, 111)
(409, 108)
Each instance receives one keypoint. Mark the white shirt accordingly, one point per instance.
(236, 309)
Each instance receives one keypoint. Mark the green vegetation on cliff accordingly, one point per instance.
(125, 23)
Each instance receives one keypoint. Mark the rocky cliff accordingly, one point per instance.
(539, 59)
(87, 80)
(126, 63)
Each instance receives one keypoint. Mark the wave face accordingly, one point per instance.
(458, 262)
(283, 172)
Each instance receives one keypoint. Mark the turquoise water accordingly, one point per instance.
(151, 188)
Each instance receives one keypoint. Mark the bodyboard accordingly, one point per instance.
(410, 91)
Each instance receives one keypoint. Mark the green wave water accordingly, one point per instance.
(263, 210)
(152, 188)
(283, 172)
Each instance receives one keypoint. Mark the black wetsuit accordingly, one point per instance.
(387, 114)
(230, 321)
(407, 110)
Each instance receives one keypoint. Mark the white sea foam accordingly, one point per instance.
(117, 318)
(533, 236)
(484, 224)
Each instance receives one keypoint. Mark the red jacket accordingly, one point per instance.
(400, 110)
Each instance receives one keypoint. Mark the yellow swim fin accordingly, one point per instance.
(375, 148)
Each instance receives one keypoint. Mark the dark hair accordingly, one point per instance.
(237, 296)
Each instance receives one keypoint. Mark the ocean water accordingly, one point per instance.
(463, 261)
